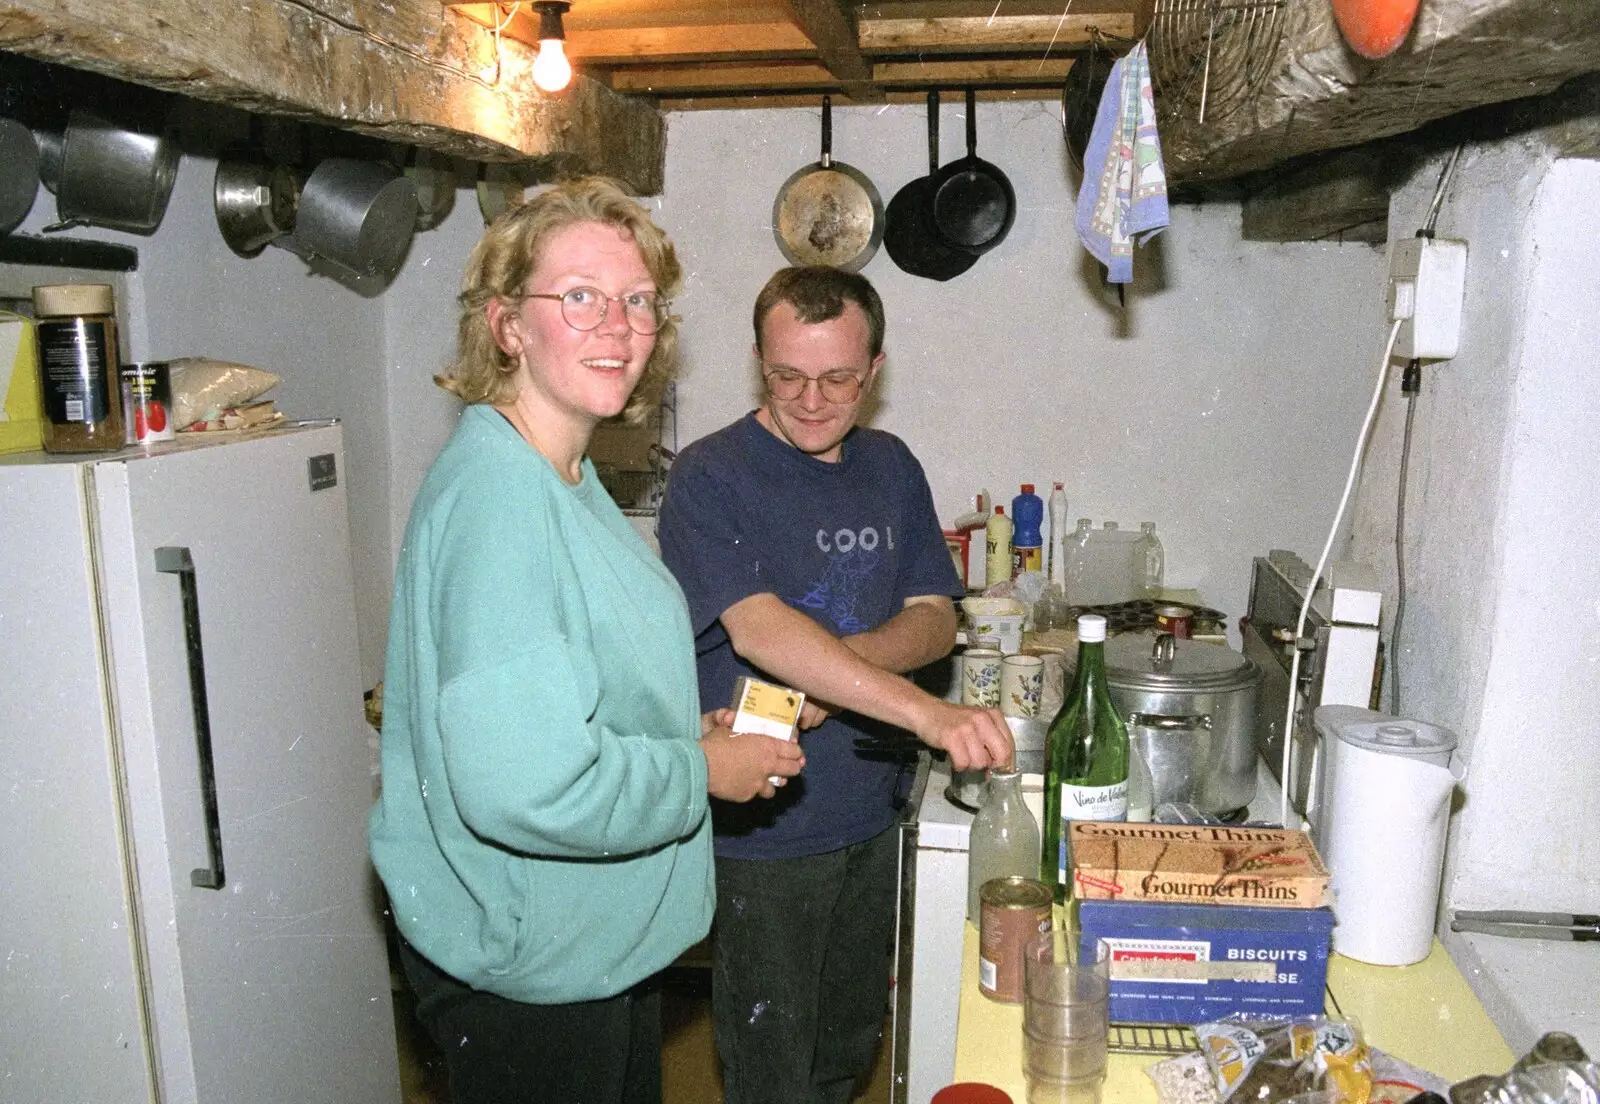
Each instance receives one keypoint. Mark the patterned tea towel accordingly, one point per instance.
(1123, 199)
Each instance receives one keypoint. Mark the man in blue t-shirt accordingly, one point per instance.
(811, 556)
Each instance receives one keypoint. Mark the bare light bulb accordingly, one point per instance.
(551, 69)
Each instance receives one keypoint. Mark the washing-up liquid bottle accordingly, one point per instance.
(1056, 557)
(997, 548)
(1027, 514)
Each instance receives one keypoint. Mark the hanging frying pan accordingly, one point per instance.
(1080, 98)
(974, 204)
(910, 238)
(828, 213)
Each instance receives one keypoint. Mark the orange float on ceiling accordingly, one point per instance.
(1375, 28)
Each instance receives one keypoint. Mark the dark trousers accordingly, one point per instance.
(501, 1051)
(800, 971)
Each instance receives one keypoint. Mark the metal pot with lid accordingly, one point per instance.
(1190, 708)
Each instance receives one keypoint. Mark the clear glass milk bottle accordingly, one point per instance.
(1004, 839)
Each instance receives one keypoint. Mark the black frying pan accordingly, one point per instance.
(974, 204)
(910, 238)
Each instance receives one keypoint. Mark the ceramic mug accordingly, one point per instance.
(980, 677)
(1021, 683)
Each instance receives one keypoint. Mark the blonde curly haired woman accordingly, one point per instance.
(542, 830)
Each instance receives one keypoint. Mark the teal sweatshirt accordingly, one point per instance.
(542, 827)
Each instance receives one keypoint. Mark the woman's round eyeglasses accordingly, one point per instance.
(585, 308)
(836, 387)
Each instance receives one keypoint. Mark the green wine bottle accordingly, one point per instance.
(1086, 757)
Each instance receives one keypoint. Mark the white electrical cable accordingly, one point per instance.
(1316, 574)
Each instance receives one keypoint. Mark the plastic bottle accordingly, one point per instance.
(1058, 534)
(1086, 757)
(997, 548)
(1141, 788)
(1027, 513)
(1075, 554)
(1004, 839)
(1152, 560)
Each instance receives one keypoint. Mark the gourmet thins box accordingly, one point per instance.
(1193, 963)
(1196, 864)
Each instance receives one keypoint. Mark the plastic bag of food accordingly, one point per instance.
(1185, 1079)
(1396, 1082)
(1301, 1060)
(202, 388)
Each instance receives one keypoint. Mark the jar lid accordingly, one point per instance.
(55, 300)
(1138, 661)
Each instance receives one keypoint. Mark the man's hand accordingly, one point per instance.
(813, 713)
(738, 767)
(973, 738)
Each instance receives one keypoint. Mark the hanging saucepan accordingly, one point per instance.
(255, 201)
(113, 176)
(910, 238)
(19, 174)
(434, 175)
(358, 214)
(828, 213)
(973, 202)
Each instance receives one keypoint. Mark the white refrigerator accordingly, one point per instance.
(187, 910)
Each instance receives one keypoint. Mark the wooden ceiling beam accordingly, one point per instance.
(999, 33)
(404, 71)
(776, 79)
(831, 25)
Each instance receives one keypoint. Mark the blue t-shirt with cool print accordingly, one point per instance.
(846, 543)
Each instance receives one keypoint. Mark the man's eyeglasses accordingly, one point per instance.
(836, 387)
(585, 308)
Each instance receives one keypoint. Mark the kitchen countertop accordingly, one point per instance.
(1424, 1014)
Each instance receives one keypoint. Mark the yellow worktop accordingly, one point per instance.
(1424, 1014)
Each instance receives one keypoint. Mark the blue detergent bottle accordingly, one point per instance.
(1027, 544)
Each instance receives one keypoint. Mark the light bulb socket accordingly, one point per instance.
(550, 13)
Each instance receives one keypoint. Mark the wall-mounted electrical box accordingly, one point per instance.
(1427, 283)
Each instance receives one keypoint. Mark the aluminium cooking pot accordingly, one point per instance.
(255, 201)
(828, 213)
(19, 174)
(358, 214)
(114, 176)
(1190, 708)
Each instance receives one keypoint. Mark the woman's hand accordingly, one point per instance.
(717, 718)
(740, 768)
(972, 737)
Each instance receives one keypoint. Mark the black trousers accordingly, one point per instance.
(502, 1051)
(800, 971)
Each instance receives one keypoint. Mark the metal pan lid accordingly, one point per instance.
(1140, 661)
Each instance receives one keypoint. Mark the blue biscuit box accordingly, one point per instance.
(1190, 964)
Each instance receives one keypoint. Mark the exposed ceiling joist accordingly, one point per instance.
(832, 27)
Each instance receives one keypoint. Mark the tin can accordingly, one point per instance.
(1012, 911)
(147, 402)
(1177, 620)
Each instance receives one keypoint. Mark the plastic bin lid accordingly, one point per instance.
(1384, 732)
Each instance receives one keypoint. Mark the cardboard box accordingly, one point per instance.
(1196, 864)
(21, 410)
(1188, 964)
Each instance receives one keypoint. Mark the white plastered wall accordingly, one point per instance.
(1501, 634)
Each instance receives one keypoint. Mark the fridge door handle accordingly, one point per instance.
(178, 561)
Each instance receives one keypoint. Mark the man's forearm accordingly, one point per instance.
(925, 630)
(793, 648)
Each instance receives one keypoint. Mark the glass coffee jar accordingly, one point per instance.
(79, 369)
